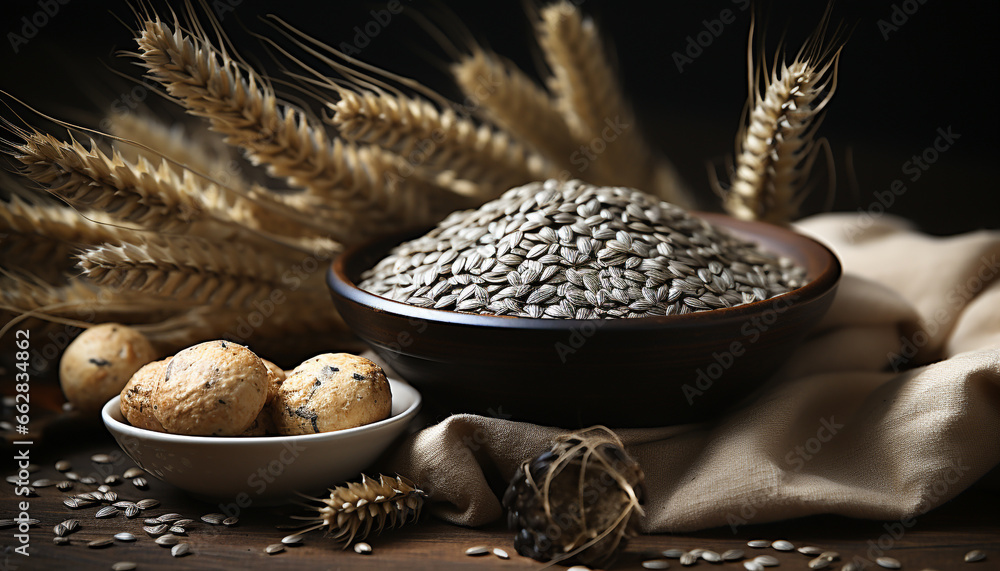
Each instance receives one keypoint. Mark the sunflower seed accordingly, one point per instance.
(975, 555)
(732, 555)
(477, 550)
(133, 473)
(213, 518)
(180, 550)
(711, 556)
(500, 553)
(155, 529)
(167, 518)
(888, 563)
(752, 566)
(71, 476)
(88, 480)
(151, 521)
(656, 564)
(767, 560)
(167, 540)
(140, 483)
(148, 503)
(60, 540)
(362, 547)
(183, 522)
(75, 503)
(5, 523)
(113, 480)
(43, 483)
(30, 492)
(689, 559)
(293, 539)
(230, 521)
(101, 543)
(672, 553)
(12, 479)
(110, 497)
(32, 521)
(758, 543)
(63, 466)
(59, 529)
(64, 486)
(71, 525)
(832, 555)
(124, 536)
(782, 545)
(274, 548)
(820, 562)
(101, 459)
(90, 496)
(809, 550)
(177, 530)
(851, 566)
(124, 566)
(123, 504)
(107, 511)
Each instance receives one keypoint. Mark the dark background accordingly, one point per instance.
(937, 70)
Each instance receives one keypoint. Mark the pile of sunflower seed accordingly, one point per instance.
(575, 251)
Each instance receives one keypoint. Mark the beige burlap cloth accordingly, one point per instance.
(890, 408)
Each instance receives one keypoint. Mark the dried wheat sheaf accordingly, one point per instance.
(172, 230)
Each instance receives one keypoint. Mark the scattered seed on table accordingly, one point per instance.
(975, 555)
(72, 503)
(362, 548)
(12, 479)
(177, 530)
(64, 486)
(711, 556)
(87, 480)
(888, 562)
(293, 539)
(123, 566)
(167, 518)
(167, 540)
(180, 550)
(851, 566)
(477, 550)
(833, 555)
(43, 483)
(230, 521)
(151, 521)
(155, 529)
(140, 483)
(656, 564)
(132, 511)
(60, 540)
(500, 553)
(820, 562)
(124, 536)
(147, 503)
(672, 553)
(5, 523)
(767, 560)
(689, 559)
(107, 511)
(60, 529)
(72, 476)
(89, 497)
(113, 480)
(103, 489)
(758, 543)
(101, 542)
(810, 550)
(213, 518)
(63, 466)
(71, 524)
(732, 555)
(183, 522)
(752, 566)
(133, 472)
(110, 497)
(30, 492)
(101, 459)
(782, 545)
(579, 568)
(274, 548)
(697, 552)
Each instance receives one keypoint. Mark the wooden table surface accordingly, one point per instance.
(938, 540)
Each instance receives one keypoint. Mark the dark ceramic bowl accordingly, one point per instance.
(651, 371)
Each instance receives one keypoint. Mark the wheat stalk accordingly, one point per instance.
(513, 101)
(440, 139)
(776, 147)
(590, 98)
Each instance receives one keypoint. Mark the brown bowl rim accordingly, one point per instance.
(822, 266)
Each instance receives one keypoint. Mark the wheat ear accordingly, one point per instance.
(439, 139)
(776, 147)
(517, 104)
(362, 180)
(590, 98)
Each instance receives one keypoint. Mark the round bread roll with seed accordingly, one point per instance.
(99, 362)
(331, 392)
(216, 388)
(275, 376)
(137, 396)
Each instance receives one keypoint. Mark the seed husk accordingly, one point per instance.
(64, 486)
(60, 540)
(477, 550)
(72, 476)
(656, 564)
(820, 562)
(102, 459)
(147, 503)
(732, 555)
(230, 521)
(132, 511)
(711, 556)
(88, 480)
(689, 559)
(103, 489)
(60, 529)
(5, 523)
(782, 545)
(155, 529)
(809, 550)
(63, 466)
(123, 504)
(71, 525)
(107, 511)
(124, 536)
(362, 547)
(140, 483)
(97, 543)
(43, 483)
(758, 543)
(183, 522)
(133, 473)
(167, 540)
(752, 565)
(833, 555)
(500, 553)
(293, 539)
(30, 492)
(888, 562)
(672, 553)
(73, 503)
(124, 566)
(177, 530)
(110, 497)
(851, 566)
(767, 560)
(12, 479)
(167, 518)
(180, 550)
(975, 555)
(113, 480)
(213, 518)
(274, 548)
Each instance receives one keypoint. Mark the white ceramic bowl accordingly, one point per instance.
(265, 470)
